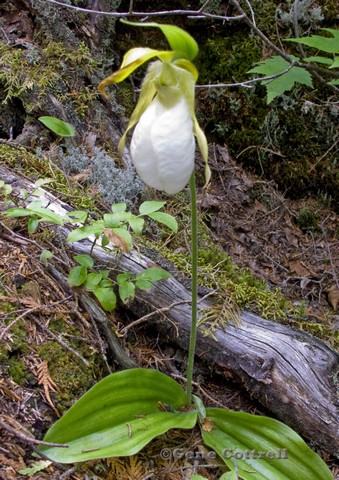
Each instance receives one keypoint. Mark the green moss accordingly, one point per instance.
(35, 167)
(307, 220)
(71, 376)
(17, 370)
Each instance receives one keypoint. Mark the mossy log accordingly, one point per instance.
(290, 372)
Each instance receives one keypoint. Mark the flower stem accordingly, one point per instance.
(194, 254)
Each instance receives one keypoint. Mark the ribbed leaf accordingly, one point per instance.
(119, 416)
(229, 432)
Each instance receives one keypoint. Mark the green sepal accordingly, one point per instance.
(119, 416)
(228, 432)
(183, 45)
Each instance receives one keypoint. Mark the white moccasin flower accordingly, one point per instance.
(163, 142)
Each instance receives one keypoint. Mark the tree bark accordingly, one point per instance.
(290, 372)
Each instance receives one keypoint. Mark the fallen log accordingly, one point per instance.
(288, 371)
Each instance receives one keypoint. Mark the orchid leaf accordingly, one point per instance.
(183, 45)
(119, 416)
(285, 456)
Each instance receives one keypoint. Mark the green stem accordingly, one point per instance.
(194, 254)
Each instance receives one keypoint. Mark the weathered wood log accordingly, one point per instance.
(290, 372)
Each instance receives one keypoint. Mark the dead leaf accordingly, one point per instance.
(80, 177)
(333, 296)
(116, 239)
(300, 268)
(208, 425)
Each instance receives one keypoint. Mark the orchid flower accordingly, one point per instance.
(163, 142)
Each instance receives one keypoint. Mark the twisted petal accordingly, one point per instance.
(163, 146)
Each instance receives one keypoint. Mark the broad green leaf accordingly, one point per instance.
(144, 284)
(106, 283)
(325, 44)
(198, 477)
(334, 82)
(323, 60)
(150, 206)
(46, 214)
(85, 260)
(32, 224)
(124, 277)
(165, 219)
(106, 297)
(18, 212)
(118, 207)
(115, 219)
(153, 274)
(57, 126)
(234, 435)
(96, 228)
(118, 417)
(200, 408)
(285, 82)
(77, 276)
(104, 273)
(229, 476)
(78, 215)
(137, 224)
(92, 281)
(126, 291)
(335, 63)
(104, 241)
(183, 45)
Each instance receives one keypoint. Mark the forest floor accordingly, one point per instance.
(290, 244)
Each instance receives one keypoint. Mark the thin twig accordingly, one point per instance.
(190, 13)
(28, 439)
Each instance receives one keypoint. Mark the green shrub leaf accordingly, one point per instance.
(274, 66)
(118, 417)
(286, 456)
(96, 228)
(57, 126)
(137, 224)
(85, 260)
(77, 276)
(106, 297)
(165, 219)
(150, 206)
(153, 274)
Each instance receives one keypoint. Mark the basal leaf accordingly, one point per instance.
(118, 417)
(32, 224)
(126, 290)
(183, 45)
(92, 281)
(119, 207)
(286, 81)
(239, 436)
(57, 126)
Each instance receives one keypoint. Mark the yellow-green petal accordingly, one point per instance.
(132, 60)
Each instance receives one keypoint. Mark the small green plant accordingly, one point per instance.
(126, 410)
(287, 75)
(112, 229)
(57, 126)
